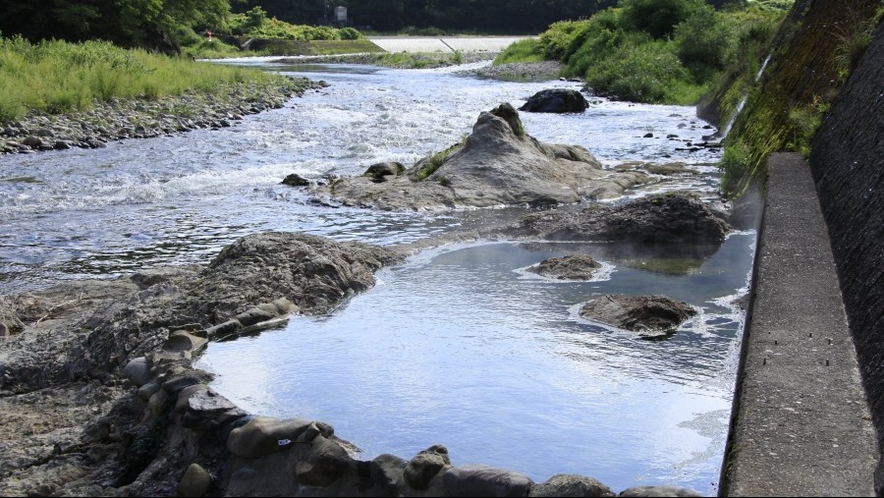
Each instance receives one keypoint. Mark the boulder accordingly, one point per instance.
(379, 171)
(669, 218)
(205, 409)
(658, 491)
(569, 267)
(295, 180)
(651, 316)
(426, 465)
(264, 435)
(138, 371)
(569, 485)
(556, 100)
(195, 482)
(483, 480)
(497, 164)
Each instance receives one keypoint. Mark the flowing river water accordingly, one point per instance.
(460, 345)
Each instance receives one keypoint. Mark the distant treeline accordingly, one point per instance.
(161, 24)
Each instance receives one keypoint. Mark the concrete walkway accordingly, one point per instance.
(445, 44)
(802, 424)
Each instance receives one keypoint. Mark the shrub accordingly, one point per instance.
(703, 41)
(527, 50)
(556, 41)
(350, 34)
(658, 18)
(649, 73)
(734, 165)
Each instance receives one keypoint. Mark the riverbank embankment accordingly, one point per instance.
(801, 425)
(810, 403)
(120, 119)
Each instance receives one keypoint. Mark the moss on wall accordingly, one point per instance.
(814, 52)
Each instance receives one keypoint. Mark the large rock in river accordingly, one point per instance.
(669, 218)
(568, 267)
(498, 164)
(651, 316)
(557, 100)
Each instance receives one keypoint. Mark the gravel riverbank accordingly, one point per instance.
(120, 119)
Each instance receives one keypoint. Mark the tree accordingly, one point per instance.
(658, 18)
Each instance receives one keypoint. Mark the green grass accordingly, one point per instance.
(59, 77)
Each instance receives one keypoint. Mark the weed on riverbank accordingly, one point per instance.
(57, 77)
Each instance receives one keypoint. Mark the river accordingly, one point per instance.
(459, 345)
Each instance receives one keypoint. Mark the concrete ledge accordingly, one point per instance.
(802, 425)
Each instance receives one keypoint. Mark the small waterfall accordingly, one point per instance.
(742, 104)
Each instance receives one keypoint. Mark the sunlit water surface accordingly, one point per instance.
(458, 346)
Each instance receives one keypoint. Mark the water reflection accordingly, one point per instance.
(457, 347)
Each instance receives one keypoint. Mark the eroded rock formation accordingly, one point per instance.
(498, 164)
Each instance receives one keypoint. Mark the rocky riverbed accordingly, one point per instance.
(97, 389)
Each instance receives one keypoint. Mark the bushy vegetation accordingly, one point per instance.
(807, 68)
(255, 23)
(652, 51)
(59, 77)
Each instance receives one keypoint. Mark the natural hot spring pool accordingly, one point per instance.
(461, 346)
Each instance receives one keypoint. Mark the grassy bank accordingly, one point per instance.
(56, 77)
(810, 60)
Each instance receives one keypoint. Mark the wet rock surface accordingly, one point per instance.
(569, 267)
(669, 218)
(556, 100)
(650, 316)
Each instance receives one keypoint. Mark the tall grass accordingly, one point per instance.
(58, 77)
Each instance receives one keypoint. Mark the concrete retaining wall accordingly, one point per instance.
(848, 167)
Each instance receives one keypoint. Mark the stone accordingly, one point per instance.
(138, 371)
(658, 491)
(326, 463)
(568, 267)
(666, 219)
(425, 465)
(497, 164)
(205, 409)
(379, 171)
(570, 485)
(196, 481)
(556, 100)
(650, 315)
(483, 480)
(386, 473)
(265, 435)
(295, 180)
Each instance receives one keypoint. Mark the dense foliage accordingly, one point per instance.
(655, 51)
